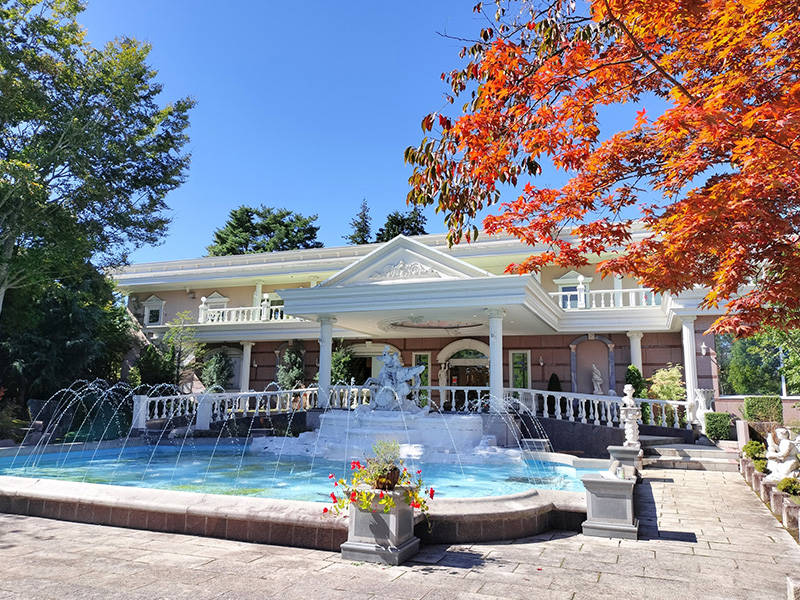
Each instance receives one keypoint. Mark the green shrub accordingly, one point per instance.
(634, 377)
(646, 413)
(217, 370)
(718, 425)
(667, 384)
(789, 485)
(763, 408)
(760, 465)
(754, 450)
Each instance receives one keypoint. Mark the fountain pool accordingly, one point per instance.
(232, 469)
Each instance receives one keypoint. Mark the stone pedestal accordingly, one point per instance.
(791, 513)
(609, 507)
(629, 458)
(379, 537)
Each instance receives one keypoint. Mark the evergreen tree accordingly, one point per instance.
(362, 228)
(397, 223)
(291, 371)
(250, 230)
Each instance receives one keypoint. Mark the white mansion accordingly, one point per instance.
(450, 309)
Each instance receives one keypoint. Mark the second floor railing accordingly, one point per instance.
(583, 299)
(243, 314)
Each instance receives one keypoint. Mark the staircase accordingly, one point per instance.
(672, 453)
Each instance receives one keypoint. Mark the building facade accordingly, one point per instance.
(455, 310)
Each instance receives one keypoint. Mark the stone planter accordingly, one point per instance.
(755, 481)
(609, 507)
(746, 467)
(776, 503)
(379, 537)
(767, 487)
(791, 513)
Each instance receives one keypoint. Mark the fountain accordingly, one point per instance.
(425, 435)
(456, 441)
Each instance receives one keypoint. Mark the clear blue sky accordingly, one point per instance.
(304, 106)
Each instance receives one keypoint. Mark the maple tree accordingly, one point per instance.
(702, 192)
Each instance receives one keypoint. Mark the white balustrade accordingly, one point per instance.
(574, 407)
(600, 299)
(243, 314)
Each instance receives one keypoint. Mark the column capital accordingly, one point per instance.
(686, 319)
(247, 344)
(635, 335)
(326, 320)
(495, 313)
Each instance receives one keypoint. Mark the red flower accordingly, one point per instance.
(431, 493)
(330, 476)
(353, 496)
(355, 465)
(381, 496)
(335, 483)
(333, 496)
(415, 505)
(325, 509)
(419, 471)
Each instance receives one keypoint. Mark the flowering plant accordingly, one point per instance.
(368, 484)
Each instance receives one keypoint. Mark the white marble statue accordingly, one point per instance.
(390, 391)
(782, 455)
(597, 381)
(630, 414)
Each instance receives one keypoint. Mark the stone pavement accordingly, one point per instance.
(703, 535)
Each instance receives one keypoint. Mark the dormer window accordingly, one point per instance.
(216, 300)
(153, 311)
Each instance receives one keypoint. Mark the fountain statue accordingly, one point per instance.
(782, 455)
(390, 391)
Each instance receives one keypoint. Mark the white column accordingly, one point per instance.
(689, 356)
(325, 352)
(244, 373)
(257, 295)
(496, 352)
(636, 349)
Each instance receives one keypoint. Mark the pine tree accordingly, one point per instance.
(397, 223)
(362, 228)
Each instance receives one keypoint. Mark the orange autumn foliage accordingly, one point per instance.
(714, 177)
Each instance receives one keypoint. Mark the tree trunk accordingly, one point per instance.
(5, 267)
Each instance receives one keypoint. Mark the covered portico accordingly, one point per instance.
(406, 289)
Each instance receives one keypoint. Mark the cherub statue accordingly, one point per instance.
(597, 381)
(782, 455)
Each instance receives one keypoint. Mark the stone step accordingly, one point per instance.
(658, 440)
(687, 451)
(261, 432)
(686, 456)
(694, 464)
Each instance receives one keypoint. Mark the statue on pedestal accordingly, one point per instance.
(597, 381)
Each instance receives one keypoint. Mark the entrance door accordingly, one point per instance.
(468, 371)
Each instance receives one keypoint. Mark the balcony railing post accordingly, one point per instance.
(203, 310)
(581, 292)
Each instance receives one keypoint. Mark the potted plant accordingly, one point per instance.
(380, 498)
(791, 503)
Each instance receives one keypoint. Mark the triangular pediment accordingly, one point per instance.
(403, 260)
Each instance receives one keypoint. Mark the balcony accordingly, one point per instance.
(243, 314)
(581, 299)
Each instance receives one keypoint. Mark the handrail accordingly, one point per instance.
(600, 299)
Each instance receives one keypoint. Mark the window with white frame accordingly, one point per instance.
(217, 300)
(568, 287)
(153, 311)
(519, 369)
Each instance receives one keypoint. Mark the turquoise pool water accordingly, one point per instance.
(232, 469)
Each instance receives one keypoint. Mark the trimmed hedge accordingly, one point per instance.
(789, 485)
(754, 449)
(763, 408)
(718, 425)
